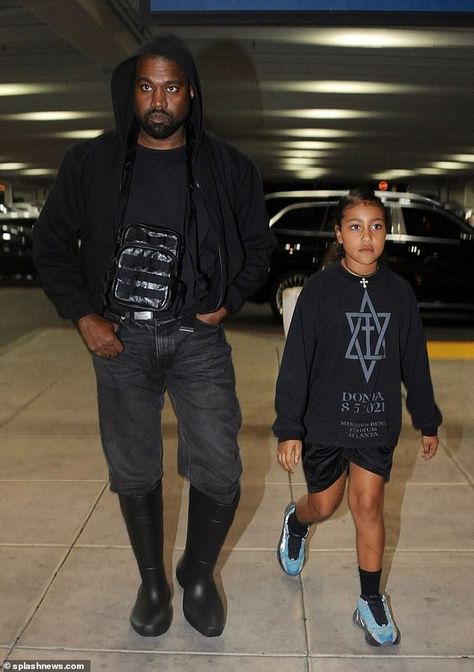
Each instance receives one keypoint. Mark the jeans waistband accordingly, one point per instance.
(153, 316)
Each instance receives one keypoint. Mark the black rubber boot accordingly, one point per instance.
(152, 614)
(208, 524)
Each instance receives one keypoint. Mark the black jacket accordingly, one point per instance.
(74, 237)
(348, 350)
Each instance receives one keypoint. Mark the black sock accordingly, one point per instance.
(369, 583)
(295, 527)
(370, 589)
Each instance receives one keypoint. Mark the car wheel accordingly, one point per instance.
(285, 281)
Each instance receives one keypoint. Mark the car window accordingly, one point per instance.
(274, 205)
(305, 216)
(429, 223)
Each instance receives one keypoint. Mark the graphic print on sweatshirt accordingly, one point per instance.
(367, 343)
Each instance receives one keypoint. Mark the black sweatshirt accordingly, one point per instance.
(348, 350)
(74, 237)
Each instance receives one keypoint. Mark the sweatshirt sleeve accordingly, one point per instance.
(294, 375)
(56, 240)
(416, 376)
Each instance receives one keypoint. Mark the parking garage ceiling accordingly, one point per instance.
(310, 103)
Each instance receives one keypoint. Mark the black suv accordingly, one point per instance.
(428, 245)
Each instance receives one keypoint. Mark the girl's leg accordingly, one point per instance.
(366, 499)
(313, 507)
(318, 506)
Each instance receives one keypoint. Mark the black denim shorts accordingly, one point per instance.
(323, 465)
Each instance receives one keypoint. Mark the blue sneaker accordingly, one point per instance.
(370, 614)
(291, 548)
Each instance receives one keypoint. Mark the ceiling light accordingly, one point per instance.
(79, 135)
(298, 161)
(34, 172)
(314, 132)
(308, 144)
(450, 165)
(377, 38)
(430, 171)
(467, 158)
(300, 153)
(13, 166)
(20, 89)
(25, 89)
(355, 37)
(394, 174)
(58, 115)
(321, 113)
(369, 39)
(344, 87)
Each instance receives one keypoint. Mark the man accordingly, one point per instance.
(173, 237)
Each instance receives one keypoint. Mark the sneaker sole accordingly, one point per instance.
(368, 637)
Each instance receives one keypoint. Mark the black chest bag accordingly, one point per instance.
(146, 267)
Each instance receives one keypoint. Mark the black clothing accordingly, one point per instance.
(208, 524)
(158, 189)
(227, 217)
(297, 528)
(348, 350)
(152, 613)
(158, 195)
(323, 465)
(195, 369)
(369, 583)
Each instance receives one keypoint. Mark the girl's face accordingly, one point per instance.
(362, 231)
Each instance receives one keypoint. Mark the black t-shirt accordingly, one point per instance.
(158, 197)
(158, 190)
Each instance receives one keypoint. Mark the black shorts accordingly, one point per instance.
(323, 465)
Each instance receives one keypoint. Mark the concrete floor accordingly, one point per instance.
(68, 577)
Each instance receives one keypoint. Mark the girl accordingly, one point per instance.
(355, 336)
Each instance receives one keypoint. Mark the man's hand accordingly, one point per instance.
(213, 318)
(99, 335)
(429, 446)
(289, 454)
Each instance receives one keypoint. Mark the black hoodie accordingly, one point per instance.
(74, 237)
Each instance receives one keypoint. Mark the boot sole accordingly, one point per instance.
(153, 632)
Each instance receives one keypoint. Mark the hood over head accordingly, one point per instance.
(123, 81)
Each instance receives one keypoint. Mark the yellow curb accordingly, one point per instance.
(451, 349)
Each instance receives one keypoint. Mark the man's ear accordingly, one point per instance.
(191, 91)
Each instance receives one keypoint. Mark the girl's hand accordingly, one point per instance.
(429, 446)
(289, 454)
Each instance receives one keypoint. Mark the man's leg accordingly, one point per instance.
(130, 393)
(208, 524)
(152, 614)
(201, 384)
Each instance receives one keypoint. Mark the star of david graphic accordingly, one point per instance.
(367, 342)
